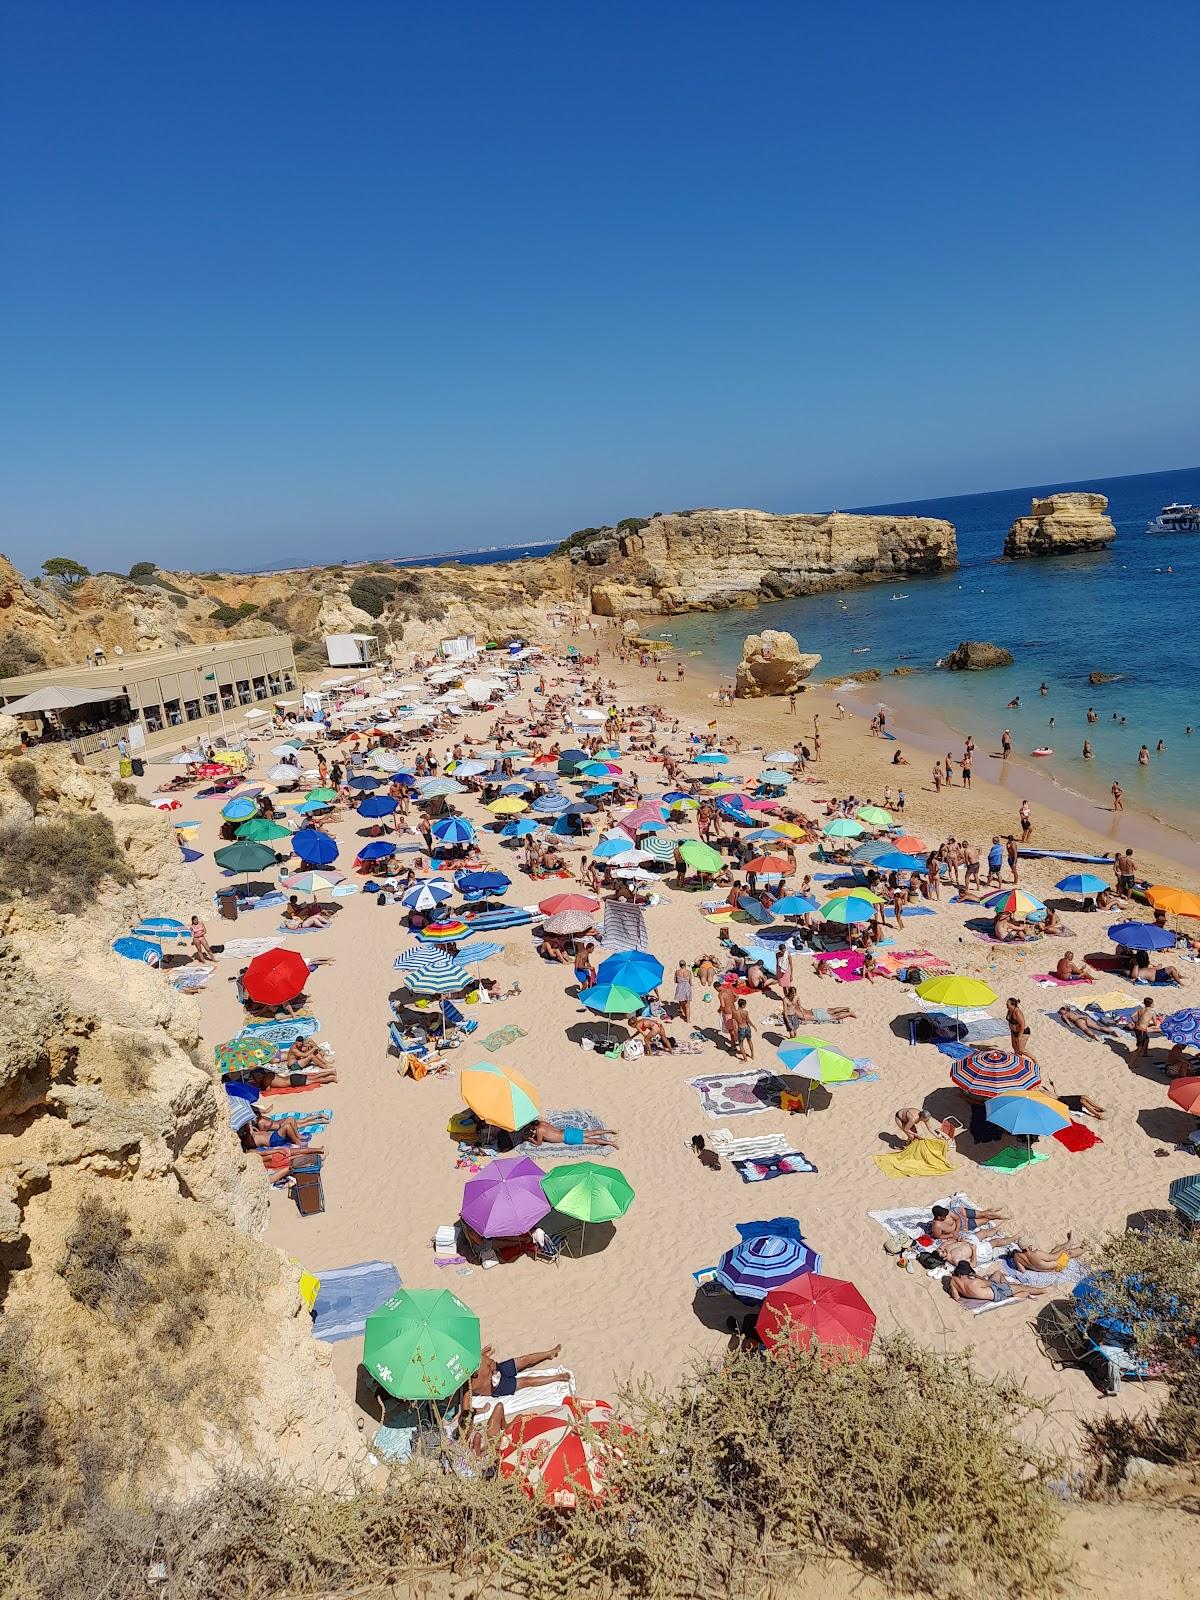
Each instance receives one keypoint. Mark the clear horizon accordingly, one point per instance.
(288, 286)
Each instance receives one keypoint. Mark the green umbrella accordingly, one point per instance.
(701, 856)
(239, 1055)
(588, 1192)
(422, 1344)
(843, 828)
(259, 829)
(875, 815)
(327, 796)
(244, 857)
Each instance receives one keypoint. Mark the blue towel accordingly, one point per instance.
(917, 911)
(505, 917)
(956, 1052)
(348, 1295)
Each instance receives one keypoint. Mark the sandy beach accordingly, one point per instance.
(630, 1304)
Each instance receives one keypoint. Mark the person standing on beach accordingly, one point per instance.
(994, 861)
(965, 764)
(1118, 797)
(1010, 851)
(1026, 822)
(949, 770)
(937, 777)
(1018, 1028)
(791, 705)
(1005, 745)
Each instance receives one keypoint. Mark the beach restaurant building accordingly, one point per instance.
(145, 699)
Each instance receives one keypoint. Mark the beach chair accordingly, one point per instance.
(547, 1246)
(307, 1188)
(1067, 1342)
(455, 1019)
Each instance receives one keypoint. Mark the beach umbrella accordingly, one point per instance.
(314, 847)
(323, 795)
(243, 857)
(240, 809)
(551, 805)
(162, 928)
(516, 786)
(781, 758)
(1141, 936)
(285, 772)
(597, 791)
(567, 902)
(631, 969)
(843, 828)
(588, 1192)
(447, 931)
(389, 761)
(1179, 902)
(377, 805)
(611, 1000)
(1184, 1195)
(376, 850)
(793, 905)
(484, 882)
(765, 1259)
(1027, 1116)
(561, 1453)
(1015, 902)
(767, 866)
(909, 843)
(569, 922)
(506, 1199)
(897, 861)
(275, 977)
(259, 829)
(764, 836)
(630, 857)
(1081, 883)
(453, 830)
(985, 1073)
(439, 789)
(241, 1054)
(186, 758)
(874, 816)
(1185, 1093)
(684, 802)
(813, 1309)
(1181, 1027)
(957, 992)
(814, 1059)
(597, 769)
(309, 807)
(312, 882)
(867, 853)
(568, 760)
(644, 816)
(479, 950)
(659, 847)
(363, 782)
(710, 758)
(499, 1096)
(509, 805)
(700, 856)
(611, 845)
(773, 779)
(418, 955)
(426, 895)
(519, 830)
(135, 949)
(213, 769)
(851, 907)
(422, 1344)
(438, 977)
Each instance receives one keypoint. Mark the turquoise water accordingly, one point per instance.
(1063, 617)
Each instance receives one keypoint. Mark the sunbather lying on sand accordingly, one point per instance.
(965, 1283)
(946, 1223)
(283, 1078)
(497, 1379)
(1028, 1258)
(263, 1134)
(542, 1132)
(1080, 1022)
(1075, 1102)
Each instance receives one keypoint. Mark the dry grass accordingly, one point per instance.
(62, 862)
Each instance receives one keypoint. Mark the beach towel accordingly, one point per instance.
(574, 1117)
(1050, 980)
(1020, 945)
(348, 1295)
(761, 1169)
(1014, 1159)
(922, 1158)
(747, 1147)
(1076, 1137)
(282, 1032)
(544, 1397)
(917, 911)
(243, 949)
(291, 933)
(341, 890)
(624, 927)
(509, 1034)
(910, 1222)
(737, 1094)
(188, 979)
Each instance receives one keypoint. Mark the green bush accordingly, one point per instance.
(371, 592)
(61, 862)
(18, 654)
(580, 537)
(23, 776)
(228, 615)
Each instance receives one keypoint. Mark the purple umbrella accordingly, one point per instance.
(506, 1199)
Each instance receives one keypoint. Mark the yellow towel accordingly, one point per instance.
(923, 1158)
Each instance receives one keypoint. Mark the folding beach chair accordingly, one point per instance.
(307, 1188)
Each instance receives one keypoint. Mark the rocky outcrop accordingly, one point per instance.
(974, 655)
(714, 560)
(772, 663)
(1061, 525)
(1105, 677)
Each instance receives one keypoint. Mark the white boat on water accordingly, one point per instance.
(1176, 519)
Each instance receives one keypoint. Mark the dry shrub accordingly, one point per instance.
(126, 793)
(908, 1465)
(61, 862)
(23, 776)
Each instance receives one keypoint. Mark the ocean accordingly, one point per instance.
(1131, 610)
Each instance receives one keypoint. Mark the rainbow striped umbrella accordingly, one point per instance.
(1015, 902)
(443, 932)
(985, 1073)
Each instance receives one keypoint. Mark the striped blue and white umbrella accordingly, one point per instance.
(439, 788)
(162, 928)
(424, 896)
(453, 830)
(438, 977)
(661, 846)
(550, 805)
(1181, 1027)
(757, 1265)
(419, 955)
(478, 950)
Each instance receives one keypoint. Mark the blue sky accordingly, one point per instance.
(291, 281)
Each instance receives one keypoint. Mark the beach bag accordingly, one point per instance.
(633, 1049)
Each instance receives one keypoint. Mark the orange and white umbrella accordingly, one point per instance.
(561, 1454)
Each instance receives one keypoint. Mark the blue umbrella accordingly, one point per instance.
(1141, 936)
(611, 847)
(377, 805)
(1081, 883)
(362, 781)
(578, 808)
(764, 835)
(453, 830)
(774, 780)
(1181, 1027)
(377, 850)
(438, 977)
(711, 758)
(794, 905)
(518, 830)
(307, 807)
(551, 804)
(162, 928)
(632, 969)
(239, 810)
(479, 950)
(516, 786)
(315, 847)
(138, 950)
(763, 1260)
(897, 861)
(599, 790)
(484, 882)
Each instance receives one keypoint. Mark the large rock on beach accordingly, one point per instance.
(1061, 525)
(772, 663)
(977, 655)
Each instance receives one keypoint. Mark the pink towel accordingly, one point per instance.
(1057, 982)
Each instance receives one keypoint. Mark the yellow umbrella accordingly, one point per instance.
(788, 829)
(1180, 902)
(508, 806)
(957, 991)
(498, 1095)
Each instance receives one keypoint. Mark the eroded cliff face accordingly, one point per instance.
(711, 560)
(187, 1348)
(1061, 525)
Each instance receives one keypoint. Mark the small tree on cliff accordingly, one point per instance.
(64, 568)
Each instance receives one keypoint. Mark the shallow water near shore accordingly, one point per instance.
(1119, 611)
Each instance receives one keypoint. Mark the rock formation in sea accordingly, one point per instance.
(131, 1223)
(772, 663)
(713, 560)
(976, 655)
(1061, 525)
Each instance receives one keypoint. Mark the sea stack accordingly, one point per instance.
(772, 663)
(1061, 525)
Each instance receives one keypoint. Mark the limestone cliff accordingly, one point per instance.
(711, 560)
(772, 663)
(1061, 525)
(130, 1220)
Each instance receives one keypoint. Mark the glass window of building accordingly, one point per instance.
(191, 710)
(212, 705)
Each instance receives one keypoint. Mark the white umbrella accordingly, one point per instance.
(187, 758)
(781, 758)
(283, 750)
(590, 714)
(284, 773)
(628, 858)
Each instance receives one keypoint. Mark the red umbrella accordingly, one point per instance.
(767, 866)
(561, 1454)
(275, 977)
(1185, 1092)
(567, 902)
(212, 769)
(829, 1310)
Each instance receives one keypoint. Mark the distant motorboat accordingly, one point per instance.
(861, 650)
(1176, 518)
(899, 597)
